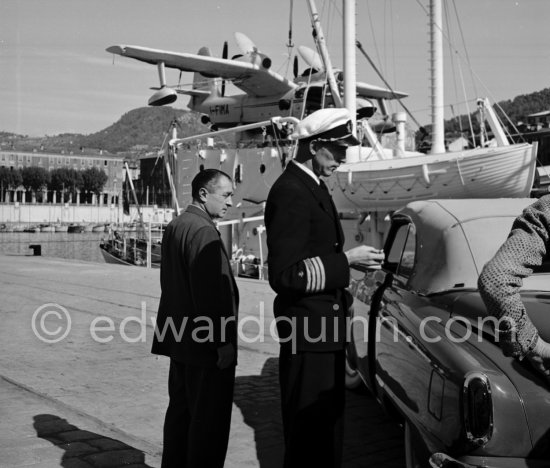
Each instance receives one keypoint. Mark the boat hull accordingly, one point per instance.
(498, 172)
(111, 258)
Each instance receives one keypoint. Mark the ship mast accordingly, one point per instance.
(350, 85)
(436, 71)
(320, 40)
(350, 73)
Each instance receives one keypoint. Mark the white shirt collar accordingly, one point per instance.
(308, 171)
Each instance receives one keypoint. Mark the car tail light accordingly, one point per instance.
(478, 408)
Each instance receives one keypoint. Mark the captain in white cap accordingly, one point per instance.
(310, 271)
(323, 138)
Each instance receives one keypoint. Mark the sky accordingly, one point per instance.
(56, 77)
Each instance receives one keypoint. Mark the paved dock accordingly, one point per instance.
(79, 387)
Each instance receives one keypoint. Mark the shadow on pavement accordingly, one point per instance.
(84, 448)
(371, 438)
(257, 396)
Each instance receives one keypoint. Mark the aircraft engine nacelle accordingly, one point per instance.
(284, 104)
(365, 109)
(162, 97)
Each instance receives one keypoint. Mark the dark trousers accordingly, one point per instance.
(198, 419)
(312, 400)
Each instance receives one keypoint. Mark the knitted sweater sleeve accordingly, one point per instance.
(502, 277)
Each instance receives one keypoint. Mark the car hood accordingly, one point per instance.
(531, 387)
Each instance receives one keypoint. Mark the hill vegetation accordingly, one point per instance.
(138, 131)
(143, 130)
(516, 110)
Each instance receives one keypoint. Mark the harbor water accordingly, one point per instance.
(73, 246)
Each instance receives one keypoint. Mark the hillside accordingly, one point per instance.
(144, 129)
(138, 131)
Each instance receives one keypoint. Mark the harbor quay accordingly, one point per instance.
(79, 387)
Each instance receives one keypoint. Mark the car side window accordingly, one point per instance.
(408, 256)
(398, 240)
(400, 258)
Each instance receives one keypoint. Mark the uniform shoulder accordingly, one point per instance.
(287, 183)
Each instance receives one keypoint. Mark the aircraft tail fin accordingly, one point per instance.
(206, 83)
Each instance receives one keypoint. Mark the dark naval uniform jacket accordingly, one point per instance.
(307, 267)
(199, 299)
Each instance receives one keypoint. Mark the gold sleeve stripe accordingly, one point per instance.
(318, 274)
(315, 273)
(313, 276)
(309, 274)
(321, 269)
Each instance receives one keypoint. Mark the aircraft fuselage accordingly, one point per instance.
(241, 109)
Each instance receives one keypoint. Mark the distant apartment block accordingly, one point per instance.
(112, 166)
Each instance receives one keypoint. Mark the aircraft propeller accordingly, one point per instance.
(224, 56)
(295, 66)
(248, 48)
(245, 43)
(312, 58)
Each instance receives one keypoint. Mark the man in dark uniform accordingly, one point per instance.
(196, 328)
(309, 271)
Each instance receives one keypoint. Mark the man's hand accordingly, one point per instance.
(366, 255)
(226, 356)
(539, 358)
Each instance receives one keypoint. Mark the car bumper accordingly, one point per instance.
(441, 460)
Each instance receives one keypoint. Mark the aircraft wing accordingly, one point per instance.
(375, 92)
(193, 92)
(252, 79)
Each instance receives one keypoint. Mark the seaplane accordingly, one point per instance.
(267, 94)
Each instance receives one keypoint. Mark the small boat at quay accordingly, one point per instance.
(75, 228)
(99, 228)
(47, 228)
(124, 248)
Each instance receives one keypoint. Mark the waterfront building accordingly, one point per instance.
(113, 166)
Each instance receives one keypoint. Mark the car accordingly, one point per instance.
(421, 340)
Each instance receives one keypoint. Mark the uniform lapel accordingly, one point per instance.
(321, 194)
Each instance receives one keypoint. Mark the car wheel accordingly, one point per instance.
(414, 457)
(353, 379)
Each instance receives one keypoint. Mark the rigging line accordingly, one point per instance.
(468, 113)
(467, 60)
(373, 34)
(290, 44)
(360, 47)
(466, 57)
(384, 36)
(509, 121)
(394, 65)
(451, 55)
(464, 45)
(162, 146)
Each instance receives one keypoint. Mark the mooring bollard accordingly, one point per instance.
(36, 249)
